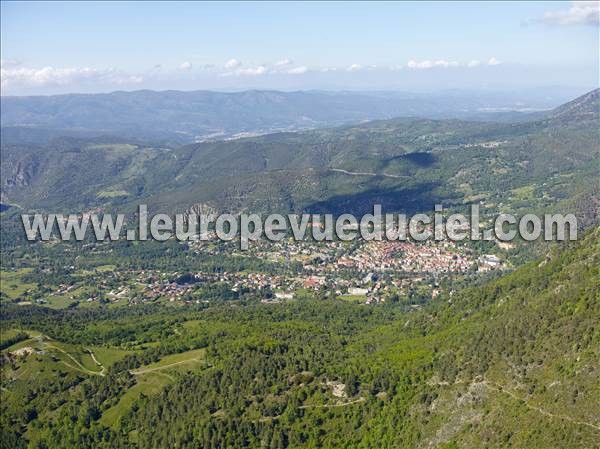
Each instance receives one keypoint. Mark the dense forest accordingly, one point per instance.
(300, 225)
(406, 165)
(510, 363)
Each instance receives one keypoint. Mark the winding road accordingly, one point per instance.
(501, 389)
(355, 173)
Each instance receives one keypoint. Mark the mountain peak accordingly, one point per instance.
(585, 107)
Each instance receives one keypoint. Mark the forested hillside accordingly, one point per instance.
(167, 345)
(403, 164)
(509, 363)
(300, 225)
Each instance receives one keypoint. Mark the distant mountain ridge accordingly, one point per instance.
(585, 107)
(403, 164)
(182, 117)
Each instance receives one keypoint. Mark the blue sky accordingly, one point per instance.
(52, 47)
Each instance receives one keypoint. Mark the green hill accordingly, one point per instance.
(404, 164)
(506, 364)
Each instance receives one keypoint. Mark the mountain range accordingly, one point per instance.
(503, 359)
(405, 164)
(175, 117)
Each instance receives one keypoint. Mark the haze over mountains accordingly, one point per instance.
(121, 333)
(182, 117)
(404, 164)
(495, 364)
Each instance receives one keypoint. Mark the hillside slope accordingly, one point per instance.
(403, 164)
(183, 117)
(512, 363)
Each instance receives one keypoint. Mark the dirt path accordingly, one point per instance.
(137, 372)
(79, 367)
(501, 389)
(44, 340)
(355, 173)
(93, 356)
(343, 404)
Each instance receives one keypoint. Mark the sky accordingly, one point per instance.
(63, 47)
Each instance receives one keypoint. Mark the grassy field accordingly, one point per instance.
(22, 344)
(353, 298)
(107, 356)
(524, 193)
(80, 294)
(185, 361)
(12, 284)
(152, 378)
(86, 359)
(40, 361)
(148, 384)
(106, 268)
(59, 302)
(13, 287)
(112, 193)
(5, 334)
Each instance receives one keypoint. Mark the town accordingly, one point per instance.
(367, 272)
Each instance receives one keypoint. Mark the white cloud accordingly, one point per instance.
(297, 70)
(50, 76)
(235, 69)
(354, 68)
(419, 64)
(428, 64)
(232, 64)
(9, 62)
(444, 63)
(580, 13)
(474, 63)
(286, 66)
(253, 71)
(493, 61)
(284, 62)
(187, 65)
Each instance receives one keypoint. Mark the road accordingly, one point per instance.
(342, 404)
(357, 173)
(137, 372)
(79, 366)
(501, 389)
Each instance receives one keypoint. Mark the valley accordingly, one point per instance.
(299, 225)
(306, 371)
(296, 344)
(417, 164)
